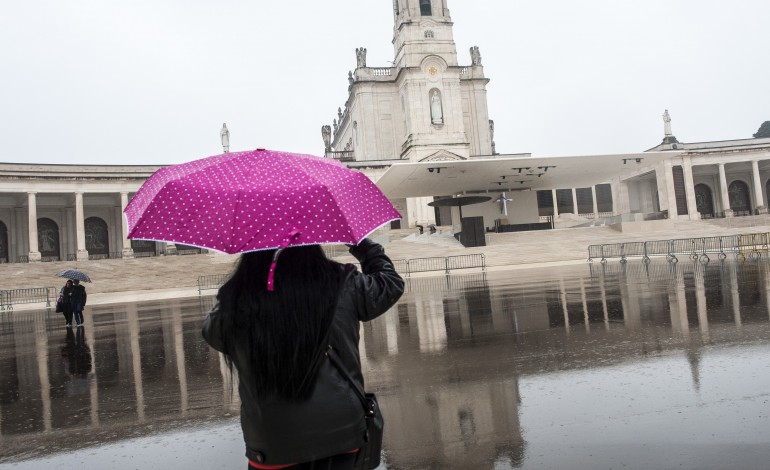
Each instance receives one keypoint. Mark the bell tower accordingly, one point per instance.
(422, 27)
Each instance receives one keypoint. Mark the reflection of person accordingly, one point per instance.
(78, 301)
(295, 406)
(76, 353)
(66, 298)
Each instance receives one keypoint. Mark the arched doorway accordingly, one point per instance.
(740, 202)
(48, 239)
(704, 201)
(3, 243)
(97, 239)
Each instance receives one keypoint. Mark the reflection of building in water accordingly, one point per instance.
(129, 365)
(446, 362)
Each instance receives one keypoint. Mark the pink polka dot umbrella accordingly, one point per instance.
(262, 199)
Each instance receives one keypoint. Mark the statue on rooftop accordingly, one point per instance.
(326, 133)
(224, 134)
(667, 124)
(361, 57)
(475, 56)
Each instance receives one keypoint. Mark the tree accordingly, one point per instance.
(764, 130)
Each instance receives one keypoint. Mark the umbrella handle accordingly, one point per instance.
(271, 275)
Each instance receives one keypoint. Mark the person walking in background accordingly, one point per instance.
(66, 298)
(297, 410)
(78, 301)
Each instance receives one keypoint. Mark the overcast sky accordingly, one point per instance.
(152, 81)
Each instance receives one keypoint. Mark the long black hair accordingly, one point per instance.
(281, 330)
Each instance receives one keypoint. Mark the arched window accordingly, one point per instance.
(97, 239)
(704, 201)
(3, 243)
(425, 9)
(738, 191)
(48, 239)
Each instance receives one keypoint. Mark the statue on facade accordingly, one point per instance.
(335, 126)
(361, 57)
(224, 135)
(339, 114)
(350, 77)
(475, 56)
(667, 124)
(436, 114)
(492, 136)
(326, 133)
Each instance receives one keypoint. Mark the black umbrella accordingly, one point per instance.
(459, 202)
(74, 274)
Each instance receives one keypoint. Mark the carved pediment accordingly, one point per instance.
(442, 156)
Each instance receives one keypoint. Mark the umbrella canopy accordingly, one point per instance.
(74, 274)
(262, 199)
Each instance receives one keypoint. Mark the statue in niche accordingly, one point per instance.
(350, 77)
(326, 133)
(436, 114)
(475, 56)
(361, 57)
(224, 134)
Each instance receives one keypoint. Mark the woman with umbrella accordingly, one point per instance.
(65, 294)
(290, 328)
(79, 297)
(296, 407)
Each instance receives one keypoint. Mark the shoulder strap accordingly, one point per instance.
(332, 355)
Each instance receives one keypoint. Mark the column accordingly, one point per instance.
(81, 252)
(701, 304)
(555, 204)
(665, 178)
(574, 202)
(677, 304)
(179, 356)
(723, 192)
(128, 252)
(596, 203)
(735, 298)
(34, 253)
(584, 300)
(689, 188)
(759, 200)
(565, 309)
(136, 357)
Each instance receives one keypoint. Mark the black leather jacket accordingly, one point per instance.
(331, 421)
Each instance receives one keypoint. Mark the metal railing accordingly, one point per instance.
(29, 295)
(211, 281)
(695, 248)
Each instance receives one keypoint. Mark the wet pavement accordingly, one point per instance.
(577, 367)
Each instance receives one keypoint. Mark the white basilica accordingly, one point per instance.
(421, 130)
